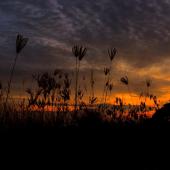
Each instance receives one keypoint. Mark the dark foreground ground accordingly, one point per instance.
(101, 146)
(93, 124)
(90, 143)
(91, 121)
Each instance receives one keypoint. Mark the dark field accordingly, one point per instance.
(84, 119)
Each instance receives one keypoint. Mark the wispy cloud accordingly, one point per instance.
(140, 29)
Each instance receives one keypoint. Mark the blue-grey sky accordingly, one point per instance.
(139, 29)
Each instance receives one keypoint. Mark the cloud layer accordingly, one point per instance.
(139, 29)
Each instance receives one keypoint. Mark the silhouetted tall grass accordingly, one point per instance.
(79, 53)
(20, 44)
(92, 98)
(50, 102)
(108, 86)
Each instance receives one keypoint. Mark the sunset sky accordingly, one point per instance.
(139, 29)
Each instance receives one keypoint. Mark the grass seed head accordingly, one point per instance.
(79, 52)
(106, 71)
(112, 53)
(125, 80)
(21, 42)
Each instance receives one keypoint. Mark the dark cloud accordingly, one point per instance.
(140, 29)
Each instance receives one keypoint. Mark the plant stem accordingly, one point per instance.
(76, 85)
(102, 100)
(106, 91)
(130, 94)
(10, 79)
(106, 88)
(78, 71)
(92, 85)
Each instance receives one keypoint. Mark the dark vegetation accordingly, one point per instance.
(50, 103)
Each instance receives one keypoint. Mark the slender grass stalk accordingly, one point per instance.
(111, 53)
(92, 98)
(129, 91)
(92, 83)
(77, 80)
(104, 89)
(125, 81)
(76, 85)
(148, 84)
(79, 52)
(20, 44)
(10, 79)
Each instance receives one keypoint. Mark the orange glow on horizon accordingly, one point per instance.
(132, 99)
